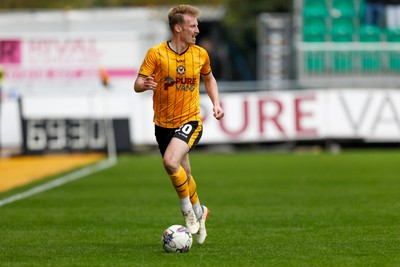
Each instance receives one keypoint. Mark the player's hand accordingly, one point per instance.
(149, 83)
(218, 112)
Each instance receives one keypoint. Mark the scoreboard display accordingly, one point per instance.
(73, 135)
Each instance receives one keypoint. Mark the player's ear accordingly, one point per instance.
(178, 28)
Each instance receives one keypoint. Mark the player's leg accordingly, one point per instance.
(175, 152)
(185, 163)
(171, 160)
(173, 156)
(194, 198)
(200, 211)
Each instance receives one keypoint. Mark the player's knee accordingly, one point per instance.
(170, 165)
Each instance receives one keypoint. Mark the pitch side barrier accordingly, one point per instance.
(75, 122)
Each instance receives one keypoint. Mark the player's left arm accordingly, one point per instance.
(212, 91)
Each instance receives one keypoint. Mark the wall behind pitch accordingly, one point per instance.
(370, 115)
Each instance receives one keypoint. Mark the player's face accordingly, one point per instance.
(190, 29)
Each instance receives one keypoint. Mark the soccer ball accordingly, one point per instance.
(177, 238)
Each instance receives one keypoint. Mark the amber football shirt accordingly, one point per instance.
(176, 97)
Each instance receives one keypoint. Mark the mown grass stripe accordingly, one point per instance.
(105, 164)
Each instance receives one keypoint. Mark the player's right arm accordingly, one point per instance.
(143, 83)
(145, 79)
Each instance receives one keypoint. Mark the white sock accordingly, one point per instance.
(185, 204)
(198, 210)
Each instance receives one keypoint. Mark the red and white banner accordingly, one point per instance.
(371, 115)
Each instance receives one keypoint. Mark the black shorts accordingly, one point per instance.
(189, 132)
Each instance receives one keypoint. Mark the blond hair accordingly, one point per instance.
(175, 14)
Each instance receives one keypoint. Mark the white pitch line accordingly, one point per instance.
(105, 164)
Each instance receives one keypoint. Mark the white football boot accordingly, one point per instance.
(202, 234)
(191, 221)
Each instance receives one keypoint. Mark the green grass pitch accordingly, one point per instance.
(267, 209)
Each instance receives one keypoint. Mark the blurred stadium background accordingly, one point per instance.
(300, 75)
(313, 73)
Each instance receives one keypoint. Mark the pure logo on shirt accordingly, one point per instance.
(182, 84)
